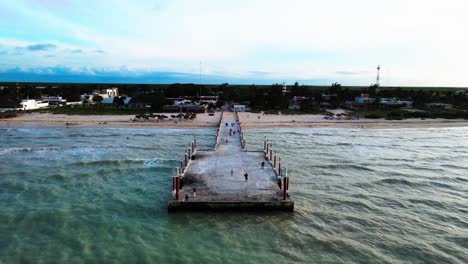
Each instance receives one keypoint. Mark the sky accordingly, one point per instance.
(416, 42)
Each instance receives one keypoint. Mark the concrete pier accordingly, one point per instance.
(218, 177)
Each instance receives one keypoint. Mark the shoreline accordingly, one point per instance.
(248, 120)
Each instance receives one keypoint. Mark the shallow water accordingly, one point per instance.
(362, 196)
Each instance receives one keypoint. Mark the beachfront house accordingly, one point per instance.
(54, 100)
(361, 102)
(394, 103)
(31, 104)
(295, 102)
(439, 105)
(364, 99)
(112, 100)
(209, 99)
(238, 108)
(104, 93)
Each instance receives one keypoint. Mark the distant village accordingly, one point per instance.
(185, 98)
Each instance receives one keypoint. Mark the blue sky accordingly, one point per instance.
(243, 41)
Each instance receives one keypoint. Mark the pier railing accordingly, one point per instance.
(178, 179)
(272, 157)
(281, 172)
(218, 130)
(241, 133)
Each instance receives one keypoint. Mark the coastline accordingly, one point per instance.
(248, 120)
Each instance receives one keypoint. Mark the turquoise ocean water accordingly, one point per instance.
(362, 196)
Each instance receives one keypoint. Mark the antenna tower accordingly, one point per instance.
(378, 75)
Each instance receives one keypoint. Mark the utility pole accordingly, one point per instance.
(378, 75)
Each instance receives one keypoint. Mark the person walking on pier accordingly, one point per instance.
(232, 172)
(262, 165)
(246, 176)
(194, 192)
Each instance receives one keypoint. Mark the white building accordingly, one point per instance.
(183, 102)
(238, 108)
(28, 104)
(104, 93)
(111, 100)
(111, 92)
(54, 100)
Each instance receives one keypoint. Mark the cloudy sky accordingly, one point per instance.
(416, 42)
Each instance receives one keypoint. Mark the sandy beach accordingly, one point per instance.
(260, 120)
(252, 120)
(59, 120)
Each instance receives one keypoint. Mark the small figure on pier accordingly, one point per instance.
(232, 124)
(227, 141)
(246, 176)
(262, 165)
(186, 197)
(226, 124)
(232, 172)
(230, 131)
(194, 192)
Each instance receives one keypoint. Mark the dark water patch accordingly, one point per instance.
(460, 179)
(344, 167)
(392, 159)
(344, 144)
(441, 184)
(430, 203)
(31, 149)
(461, 240)
(452, 166)
(394, 181)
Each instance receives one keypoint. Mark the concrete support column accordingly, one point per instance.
(284, 188)
(274, 161)
(177, 187)
(271, 154)
(279, 167)
(185, 159)
(264, 144)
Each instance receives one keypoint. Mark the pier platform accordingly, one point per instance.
(218, 177)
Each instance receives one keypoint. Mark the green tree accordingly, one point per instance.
(335, 88)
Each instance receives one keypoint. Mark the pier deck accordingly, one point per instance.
(217, 189)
